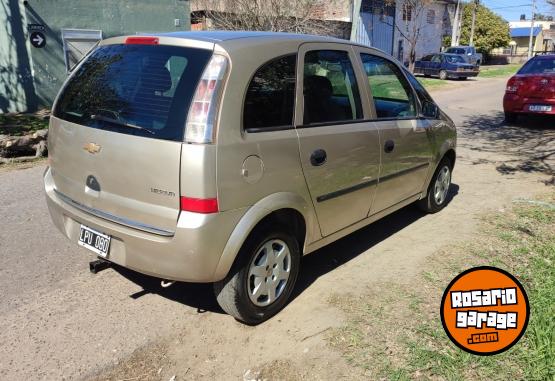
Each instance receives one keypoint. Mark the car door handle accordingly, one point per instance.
(389, 146)
(318, 157)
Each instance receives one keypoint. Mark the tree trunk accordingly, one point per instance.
(412, 57)
(27, 145)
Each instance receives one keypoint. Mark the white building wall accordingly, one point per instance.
(431, 34)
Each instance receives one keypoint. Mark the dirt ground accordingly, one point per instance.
(181, 332)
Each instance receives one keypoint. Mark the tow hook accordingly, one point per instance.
(98, 265)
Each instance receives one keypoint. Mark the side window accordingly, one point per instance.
(423, 95)
(437, 58)
(270, 96)
(331, 92)
(393, 96)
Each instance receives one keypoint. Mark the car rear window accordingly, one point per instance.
(455, 51)
(141, 90)
(539, 66)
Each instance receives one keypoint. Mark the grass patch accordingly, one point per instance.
(499, 71)
(433, 83)
(395, 332)
(21, 124)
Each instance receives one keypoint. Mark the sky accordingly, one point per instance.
(511, 10)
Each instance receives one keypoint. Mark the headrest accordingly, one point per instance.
(316, 84)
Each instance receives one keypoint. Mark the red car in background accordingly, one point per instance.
(532, 89)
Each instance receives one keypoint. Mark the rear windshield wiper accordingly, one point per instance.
(121, 123)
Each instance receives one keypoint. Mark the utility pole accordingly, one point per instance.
(454, 31)
(530, 44)
(476, 2)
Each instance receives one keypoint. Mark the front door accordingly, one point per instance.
(339, 147)
(406, 149)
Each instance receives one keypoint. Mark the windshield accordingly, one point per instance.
(539, 66)
(454, 59)
(134, 89)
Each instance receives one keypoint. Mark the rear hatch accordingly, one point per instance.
(117, 130)
(536, 79)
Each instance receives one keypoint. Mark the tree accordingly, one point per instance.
(410, 24)
(297, 16)
(542, 17)
(491, 30)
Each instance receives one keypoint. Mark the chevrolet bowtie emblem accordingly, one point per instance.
(92, 148)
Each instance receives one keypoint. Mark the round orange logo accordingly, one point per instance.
(485, 310)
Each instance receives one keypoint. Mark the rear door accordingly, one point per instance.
(339, 146)
(421, 66)
(406, 147)
(117, 130)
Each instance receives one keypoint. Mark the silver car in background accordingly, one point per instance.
(224, 157)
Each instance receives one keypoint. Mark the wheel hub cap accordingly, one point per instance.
(441, 186)
(269, 272)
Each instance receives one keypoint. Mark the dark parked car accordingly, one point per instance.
(532, 89)
(445, 66)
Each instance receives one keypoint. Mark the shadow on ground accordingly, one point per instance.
(313, 266)
(528, 144)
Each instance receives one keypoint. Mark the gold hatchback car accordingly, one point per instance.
(224, 157)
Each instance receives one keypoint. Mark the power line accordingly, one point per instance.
(513, 6)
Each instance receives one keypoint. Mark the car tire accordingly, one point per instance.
(463, 78)
(236, 293)
(438, 190)
(510, 117)
(443, 75)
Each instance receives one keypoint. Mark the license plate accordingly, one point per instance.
(541, 108)
(96, 242)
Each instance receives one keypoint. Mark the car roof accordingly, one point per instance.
(545, 56)
(442, 54)
(232, 41)
(217, 36)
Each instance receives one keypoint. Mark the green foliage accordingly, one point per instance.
(490, 32)
(542, 17)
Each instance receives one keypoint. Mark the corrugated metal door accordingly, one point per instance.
(376, 25)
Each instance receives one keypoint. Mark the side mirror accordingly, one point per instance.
(430, 110)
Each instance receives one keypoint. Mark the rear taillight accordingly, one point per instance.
(141, 40)
(204, 107)
(199, 205)
(513, 85)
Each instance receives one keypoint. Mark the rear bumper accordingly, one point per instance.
(192, 254)
(460, 74)
(517, 104)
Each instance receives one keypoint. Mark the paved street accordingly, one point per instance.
(59, 321)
